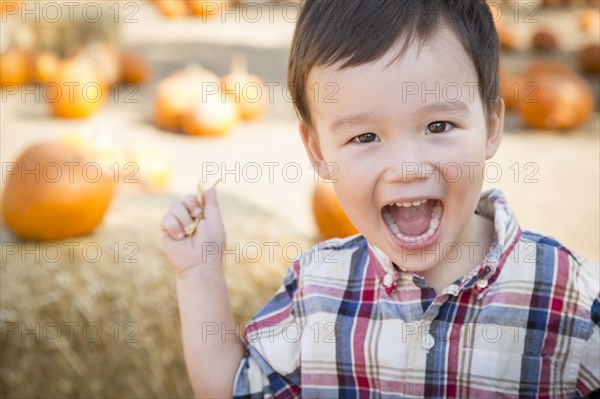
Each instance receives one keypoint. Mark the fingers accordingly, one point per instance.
(181, 213)
(177, 219)
(190, 202)
(211, 211)
(171, 227)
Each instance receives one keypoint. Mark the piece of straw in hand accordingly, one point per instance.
(191, 229)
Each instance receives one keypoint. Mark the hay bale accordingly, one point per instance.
(97, 316)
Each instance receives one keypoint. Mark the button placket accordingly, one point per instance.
(453, 289)
(426, 339)
(427, 342)
(481, 284)
(388, 280)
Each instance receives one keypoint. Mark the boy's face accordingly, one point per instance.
(401, 134)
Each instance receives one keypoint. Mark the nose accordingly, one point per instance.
(406, 162)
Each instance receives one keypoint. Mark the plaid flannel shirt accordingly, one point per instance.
(523, 324)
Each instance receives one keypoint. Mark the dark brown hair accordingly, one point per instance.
(357, 32)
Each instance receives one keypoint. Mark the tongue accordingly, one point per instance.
(413, 220)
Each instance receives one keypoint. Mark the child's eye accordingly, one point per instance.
(365, 138)
(439, 127)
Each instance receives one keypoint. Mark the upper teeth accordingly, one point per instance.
(407, 204)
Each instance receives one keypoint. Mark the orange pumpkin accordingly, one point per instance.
(77, 90)
(134, 69)
(589, 58)
(9, 7)
(172, 8)
(560, 100)
(46, 64)
(66, 197)
(589, 20)
(506, 37)
(538, 66)
(544, 40)
(329, 215)
(512, 88)
(246, 90)
(206, 8)
(14, 67)
(215, 116)
(105, 58)
(178, 93)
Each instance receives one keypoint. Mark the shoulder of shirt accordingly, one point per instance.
(332, 252)
(587, 271)
(544, 240)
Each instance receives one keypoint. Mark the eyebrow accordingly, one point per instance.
(351, 120)
(458, 109)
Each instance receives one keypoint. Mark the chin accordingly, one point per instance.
(419, 262)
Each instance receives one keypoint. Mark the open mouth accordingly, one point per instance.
(414, 223)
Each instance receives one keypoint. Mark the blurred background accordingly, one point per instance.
(112, 109)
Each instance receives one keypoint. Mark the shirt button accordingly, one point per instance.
(453, 289)
(388, 280)
(481, 283)
(428, 342)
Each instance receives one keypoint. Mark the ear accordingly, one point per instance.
(313, 150)
(495, 129)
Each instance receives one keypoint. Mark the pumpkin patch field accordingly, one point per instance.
(103, 124)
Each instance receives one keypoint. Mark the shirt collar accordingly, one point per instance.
(492, 204)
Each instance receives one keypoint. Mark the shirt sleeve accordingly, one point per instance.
(588, 380)
(271, 365)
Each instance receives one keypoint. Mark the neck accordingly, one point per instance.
(480, 230)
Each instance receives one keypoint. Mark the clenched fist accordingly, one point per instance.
(203, 248)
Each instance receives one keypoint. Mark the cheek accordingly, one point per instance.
(343, 165)
(352, 188)
(462, 163)
(355, 193)
(332, 165)
(464, 175)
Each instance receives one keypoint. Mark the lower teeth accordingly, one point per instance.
(433, 224)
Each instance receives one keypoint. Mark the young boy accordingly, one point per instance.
(442, 294)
